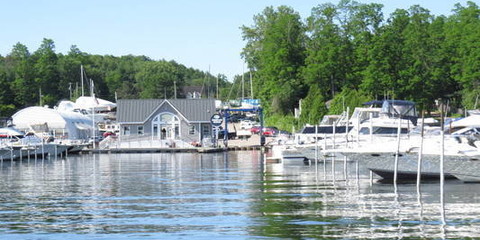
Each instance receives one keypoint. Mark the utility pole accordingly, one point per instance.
(175, 89)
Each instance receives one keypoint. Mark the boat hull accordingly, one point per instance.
(383, 164)
(388, 175)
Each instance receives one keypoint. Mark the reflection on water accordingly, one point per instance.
(222, 195)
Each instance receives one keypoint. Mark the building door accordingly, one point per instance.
(166, 126)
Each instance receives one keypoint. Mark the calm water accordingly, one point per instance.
(226, 195)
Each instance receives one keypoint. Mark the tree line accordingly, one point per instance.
(341, 55)
(45, 77)
(348, 53)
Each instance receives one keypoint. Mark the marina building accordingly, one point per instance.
(167, 120)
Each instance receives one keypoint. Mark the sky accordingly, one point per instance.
(202, 34)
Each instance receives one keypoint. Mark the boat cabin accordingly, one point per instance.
(384, 121)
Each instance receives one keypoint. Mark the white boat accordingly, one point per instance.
(468, 171)
(380, 159)
(287, 152)
(468, 168)
(16, 145)
(369, 125)
(329, 125)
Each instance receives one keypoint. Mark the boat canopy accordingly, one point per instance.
(397, 108)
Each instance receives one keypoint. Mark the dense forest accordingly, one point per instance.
(341, 55)
(45, 77)
(351, 53)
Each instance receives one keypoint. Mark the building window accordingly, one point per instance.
(191, 130)
(140, 130)
(126, 130)
(206, 130)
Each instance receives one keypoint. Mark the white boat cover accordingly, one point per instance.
(470, 121)
(89, 102)
(74, 125)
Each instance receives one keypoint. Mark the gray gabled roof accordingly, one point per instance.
(138, 110)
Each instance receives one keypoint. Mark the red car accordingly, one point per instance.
(270, 131)
(255, 130)
(106, 134)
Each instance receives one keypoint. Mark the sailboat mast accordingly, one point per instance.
(81, 74)
(70, 90)
(208, 83)
(251, 85)
(92, 94)
(243, 82)
(91, 87)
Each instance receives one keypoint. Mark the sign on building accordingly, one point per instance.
(216, 120)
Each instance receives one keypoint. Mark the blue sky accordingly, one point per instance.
(203, 34)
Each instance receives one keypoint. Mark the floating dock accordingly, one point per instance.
(173, 150)
(251, 144)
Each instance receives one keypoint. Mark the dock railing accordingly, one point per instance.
(143, 141)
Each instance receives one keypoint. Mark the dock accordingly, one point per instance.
(251, 144)
(173, 150)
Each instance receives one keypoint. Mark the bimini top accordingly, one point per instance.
(397, 108)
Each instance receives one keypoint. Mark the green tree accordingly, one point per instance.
(348, 98)
(387, 58)
(47, 76)
(324, 61)
(463, 40)
(363, 23)
(69, 70)
(313, 106)
(21, 78)
(6, 106)
(156, 79)
(416, 79)
(275, 51)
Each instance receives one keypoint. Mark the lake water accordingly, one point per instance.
(232, 195)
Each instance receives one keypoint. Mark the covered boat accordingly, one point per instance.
(59, 124)
(89, 102)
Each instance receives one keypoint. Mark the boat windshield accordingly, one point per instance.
(329, 119)
(383, 130)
